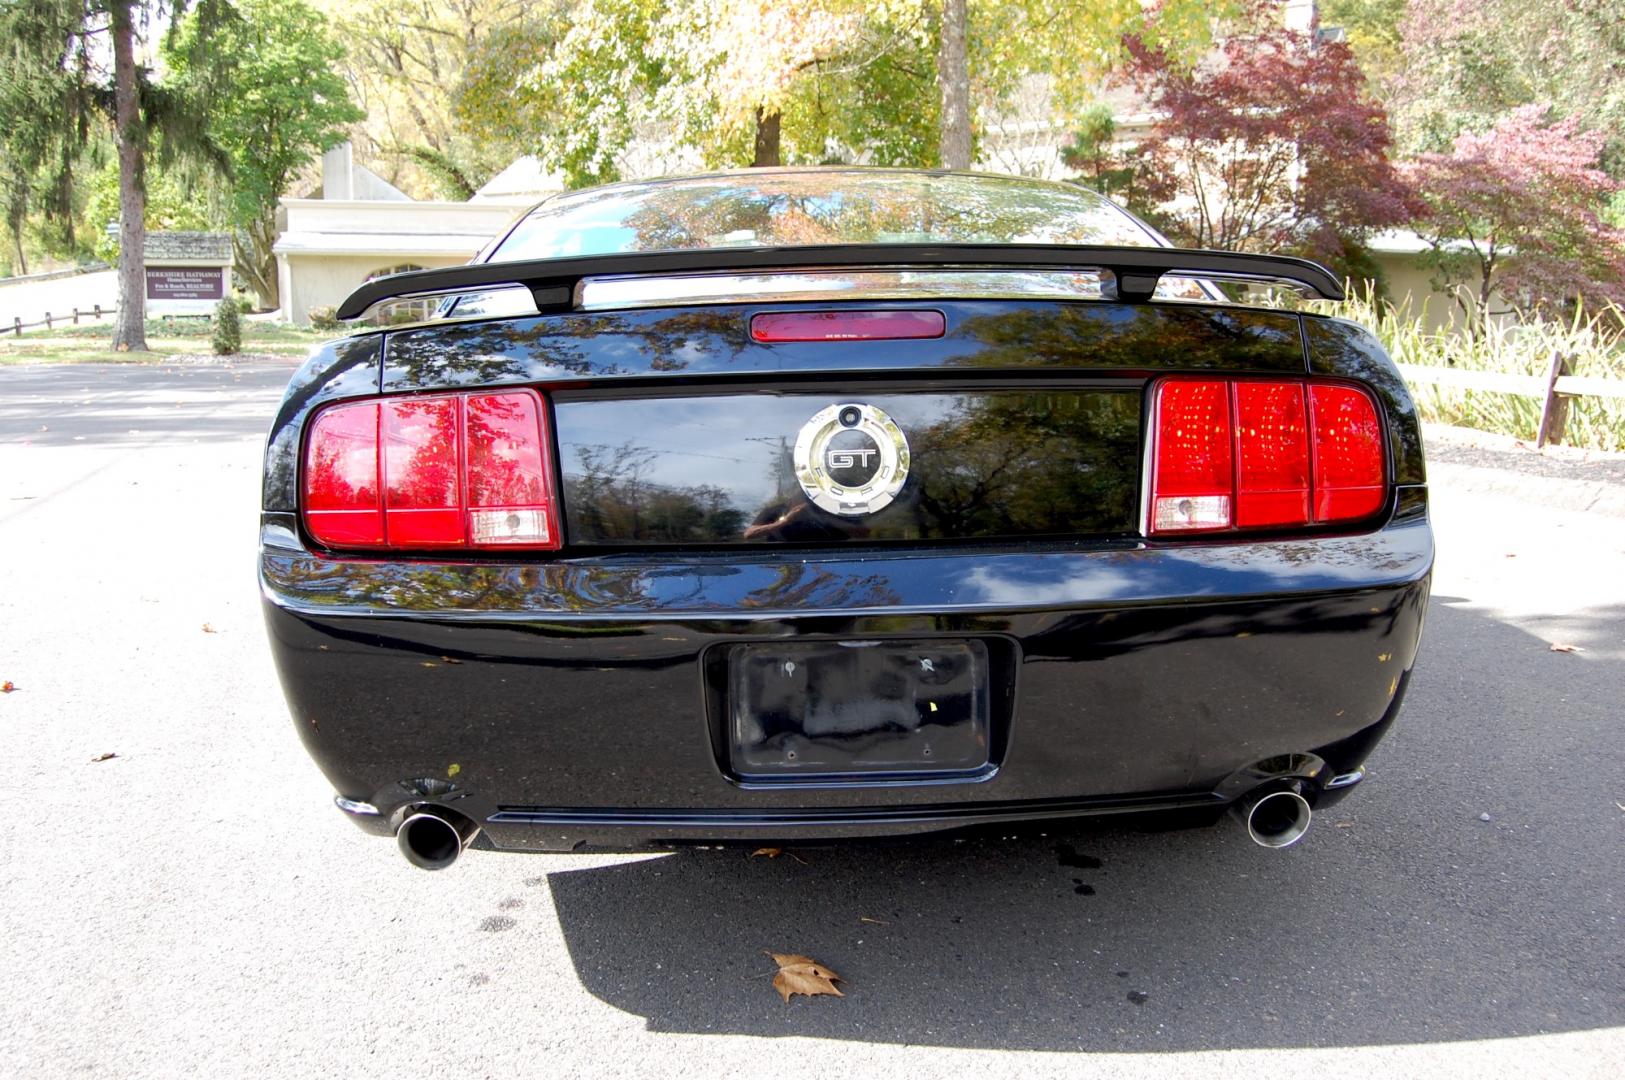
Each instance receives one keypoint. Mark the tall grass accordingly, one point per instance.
(1593, 340)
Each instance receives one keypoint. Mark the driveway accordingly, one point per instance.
(30, 300)
(194, 906)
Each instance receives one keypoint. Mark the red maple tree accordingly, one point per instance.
(1515, 211)
(1270, 144)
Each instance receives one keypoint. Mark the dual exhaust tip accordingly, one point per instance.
(432, 837)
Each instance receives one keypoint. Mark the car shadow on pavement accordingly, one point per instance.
(1403, 917)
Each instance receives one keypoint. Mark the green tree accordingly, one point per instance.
(1374, 30)
(78, 100)
(280, 102)
(741, 82)
(176, 199)
(405, 58)
(1465, 66)
(734, 82)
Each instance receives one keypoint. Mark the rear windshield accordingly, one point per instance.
(800, 209)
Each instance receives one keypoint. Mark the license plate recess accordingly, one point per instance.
(826, 710)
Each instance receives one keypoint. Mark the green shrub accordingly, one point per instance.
(228, 328)
(324, 318)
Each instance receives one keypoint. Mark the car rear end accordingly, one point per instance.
(842, 551)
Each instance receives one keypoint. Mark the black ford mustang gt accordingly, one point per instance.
(826, 503)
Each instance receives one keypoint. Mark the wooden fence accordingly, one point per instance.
(18, 326)
(1554, 389)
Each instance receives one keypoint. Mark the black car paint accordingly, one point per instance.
(573, 698)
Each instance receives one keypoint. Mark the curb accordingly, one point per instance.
(1557, 477)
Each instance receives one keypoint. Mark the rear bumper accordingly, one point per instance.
(566, 702)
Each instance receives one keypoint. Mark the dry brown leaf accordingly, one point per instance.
(103, 757)
(802, 975)
(877, 922)
(775, 852)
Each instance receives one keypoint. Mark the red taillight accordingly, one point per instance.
(846, 325)
(1350, 480)
(1260, 454)
(1194, 477)
(423, 505)
(437, 471)
(342, 505)
(1272, 454)
(508, 501)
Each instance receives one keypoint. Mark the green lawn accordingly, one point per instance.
(88, 343)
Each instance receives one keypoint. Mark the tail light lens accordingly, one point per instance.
(434, 472)
(1263, 454)
(1194, 472)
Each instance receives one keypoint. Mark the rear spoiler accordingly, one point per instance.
(1137, 270)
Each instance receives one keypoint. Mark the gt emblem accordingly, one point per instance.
(851, 459)
(845, 459)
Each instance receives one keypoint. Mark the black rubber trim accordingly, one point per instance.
(1136, 269)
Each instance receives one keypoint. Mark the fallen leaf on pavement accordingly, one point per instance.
(877, 922)
(103, 757)
(1562, 647)
(802, 975)
(7, 687)
(775, 852)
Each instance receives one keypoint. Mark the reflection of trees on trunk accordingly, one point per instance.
(559, 346)
(999, 464)
(1129, 337)
(608, 497)
(1024, 464)
(803, 585)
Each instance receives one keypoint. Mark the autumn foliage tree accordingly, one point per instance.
(1514, 211)
(1271, 144)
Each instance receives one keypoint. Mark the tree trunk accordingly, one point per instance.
(130, 331)
(19, 256)
(255, 263)
(767, 138)
(953, 80)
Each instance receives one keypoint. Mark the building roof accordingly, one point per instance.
(524, 178)
(380, 243)
(188, 246)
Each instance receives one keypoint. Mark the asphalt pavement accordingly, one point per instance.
(194, 906)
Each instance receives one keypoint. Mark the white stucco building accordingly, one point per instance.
(357, 226)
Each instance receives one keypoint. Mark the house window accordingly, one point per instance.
(400, 311)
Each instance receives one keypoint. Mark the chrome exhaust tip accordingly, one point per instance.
(1275, 817)
(432, 837)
